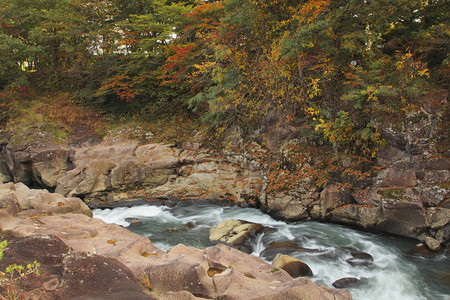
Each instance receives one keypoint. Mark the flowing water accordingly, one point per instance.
(392, 275)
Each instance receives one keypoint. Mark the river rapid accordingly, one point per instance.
(393, 274)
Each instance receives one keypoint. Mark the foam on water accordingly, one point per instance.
(120, 215)
(391, 276)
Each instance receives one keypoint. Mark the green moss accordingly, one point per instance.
(393, 193)
(275, 270)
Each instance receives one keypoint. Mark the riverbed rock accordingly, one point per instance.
(286, 248)
(235, 233)
(184, 295)
(299, 288)
(349, 282)
(420, 249)
(294, 266)
(359, 258)
(357, 254)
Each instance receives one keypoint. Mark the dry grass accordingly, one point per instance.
(62, 112)
(145, 280)
(64, 117)
(71, 121)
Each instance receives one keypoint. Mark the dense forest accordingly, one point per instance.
(338, 71)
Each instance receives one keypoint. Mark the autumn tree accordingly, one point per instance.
(134, 78)
(341, 68)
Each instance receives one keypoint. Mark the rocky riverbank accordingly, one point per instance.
(83, 257)
(408, 194)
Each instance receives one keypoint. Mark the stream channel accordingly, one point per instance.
(393, 274)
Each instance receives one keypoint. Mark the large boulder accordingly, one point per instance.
(334, 196)
(17, 198)
(34, 157)
(48, 165)
(67, 274)
(287, 207)
(235, 233)
(92, 166)
(294, 266)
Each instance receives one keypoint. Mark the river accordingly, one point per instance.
(393, 274)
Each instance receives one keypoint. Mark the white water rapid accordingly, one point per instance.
(392, 274)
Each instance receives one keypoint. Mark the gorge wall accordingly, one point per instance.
(408, 195)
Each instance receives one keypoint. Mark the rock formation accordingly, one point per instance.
(408, 195)
(76, 249)
(236, 233)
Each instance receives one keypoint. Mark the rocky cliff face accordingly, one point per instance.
(408, 194)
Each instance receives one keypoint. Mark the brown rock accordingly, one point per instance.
(181, 269)
(183, 295)
(295, 267)
(399, 178)
(359, 215)
(8, 204)
(299, 288)
(348, 282)
(288, 247)
(433, 244)
(334, 196)
(67, 274)
(49, 164)
(438, 164)
(403, 218)
(287, 207)
(234, 232)
(437, 176)
(355, 253)
(420, 249)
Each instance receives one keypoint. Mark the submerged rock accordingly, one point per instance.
(420, 249)
(287, 247)
(357, 254)
(349, 282)
(359, 258)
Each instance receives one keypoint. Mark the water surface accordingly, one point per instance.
(392, 275)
